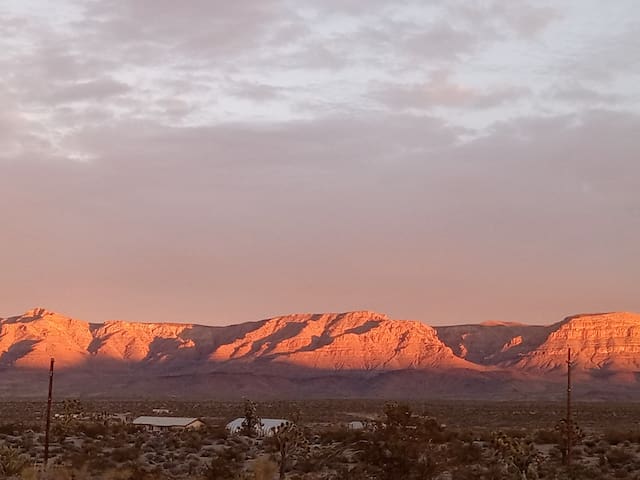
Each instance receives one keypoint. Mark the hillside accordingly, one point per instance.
(314, 355)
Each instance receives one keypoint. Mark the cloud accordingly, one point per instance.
(97, 89)
(440, 41)
(255, 91)
(343, 208)
(604, 60)
(521, 17)
(577, 93)
(151, 31)
(316, 156)
(440, 91)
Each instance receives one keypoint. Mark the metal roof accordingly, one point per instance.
(165, 421)
(235, 426)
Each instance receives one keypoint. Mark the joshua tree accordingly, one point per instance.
(402, 446)
(397, 414)
(570, 436)
(517, 456)
(289, 440)
(72, 409)
(252, 421)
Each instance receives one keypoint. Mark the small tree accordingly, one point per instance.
(289, 441)
(397, 414)
(252, 422)
(569, 434)
(402, 446)
(72, 410)
(517, 456)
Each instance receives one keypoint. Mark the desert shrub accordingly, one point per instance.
(546, 435)
(619, 457)
(264, 469)
(125, 428)
(514, 432)
(615, 437)
(78, 459)
(224, 465)
(192, 440)
(12, 462)
(471, 472)
(100, 464)
(403, 446)
(57, 472)
(216, 432)
(465, 435)
(125, 454)
(340, 435)
(132, 472)
(352, 473)
(9, 429)
(27, 441)
(92, 429)
(464, 453)
(576, 471)
(397, 414)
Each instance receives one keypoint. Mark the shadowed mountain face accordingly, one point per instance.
(493, 343)
(323, 355)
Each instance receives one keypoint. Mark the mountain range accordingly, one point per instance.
(331, 355)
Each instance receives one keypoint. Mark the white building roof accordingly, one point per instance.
(356, 425)
(235, 426)
(165, 421)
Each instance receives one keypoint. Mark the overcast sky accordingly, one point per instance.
(222, 161)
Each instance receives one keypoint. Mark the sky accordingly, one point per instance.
(217, 162)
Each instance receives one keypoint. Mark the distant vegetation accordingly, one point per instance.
(400, 441)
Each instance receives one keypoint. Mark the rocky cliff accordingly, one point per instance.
(353, 354)
(601, 345)
(493, 343)
(346, 341)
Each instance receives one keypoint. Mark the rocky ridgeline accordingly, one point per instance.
(360, 344)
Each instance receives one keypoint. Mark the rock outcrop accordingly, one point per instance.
(346, 341)
(31, 339)
(493, 343)
(601, 345)
(361, 341)
(353, 354)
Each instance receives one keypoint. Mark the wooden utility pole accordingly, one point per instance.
(46, 432)
(569, 423)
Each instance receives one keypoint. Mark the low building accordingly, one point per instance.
(159, 424)
(356, 425)
(119, 417)
(264, 430)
